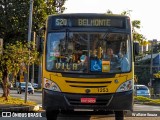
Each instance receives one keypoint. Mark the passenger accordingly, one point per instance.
(84, 58)
(110, 56)
(84, 61)
(124, 63)
(114, 61)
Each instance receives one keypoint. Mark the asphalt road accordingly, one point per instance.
(140, 111)
(37, 97)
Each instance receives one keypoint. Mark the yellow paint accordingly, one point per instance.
(69, 87)
(21, 78)
(105, 66)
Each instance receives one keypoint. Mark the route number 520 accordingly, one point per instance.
(61, 22)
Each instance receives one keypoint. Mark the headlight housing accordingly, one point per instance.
(50, 85)
(126, 86)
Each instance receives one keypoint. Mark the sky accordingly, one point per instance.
(147, 11)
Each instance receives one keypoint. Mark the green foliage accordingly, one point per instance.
(109, 12)
(17, 56)
(136, 24)
(156, 48)
(142, 99)
(13, 20)
(143, 73)
(0, 76)
(147, 101)
(15, 15)
(138, 37)
(156, 101)
(15, 101)
(126, 12)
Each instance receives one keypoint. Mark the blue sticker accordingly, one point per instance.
(96, 65)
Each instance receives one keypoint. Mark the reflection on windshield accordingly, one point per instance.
(88, 52)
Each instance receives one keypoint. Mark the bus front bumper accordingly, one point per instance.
(67, 101)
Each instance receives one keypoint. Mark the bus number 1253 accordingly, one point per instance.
(104, 90)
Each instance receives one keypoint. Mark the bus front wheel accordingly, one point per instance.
(119, 115)
(52, 115)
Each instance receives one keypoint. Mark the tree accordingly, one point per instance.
(136, 25)
(15, 13)
(109, 12)
(14, 26)
(15, 57)
(13, 20)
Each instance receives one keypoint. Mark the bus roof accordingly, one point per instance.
(87, 20)
(89, 15)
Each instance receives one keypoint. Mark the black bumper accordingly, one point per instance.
(65, 101)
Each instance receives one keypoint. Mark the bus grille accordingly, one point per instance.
(88, 84)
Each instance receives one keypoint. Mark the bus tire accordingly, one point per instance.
(52, 115)
(119, 115)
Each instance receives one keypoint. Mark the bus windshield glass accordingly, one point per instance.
(88, 52)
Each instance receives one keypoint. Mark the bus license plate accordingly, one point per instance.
(88, 100)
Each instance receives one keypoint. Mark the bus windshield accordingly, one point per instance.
(88, 52)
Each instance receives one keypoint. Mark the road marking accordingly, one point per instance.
(138, 107)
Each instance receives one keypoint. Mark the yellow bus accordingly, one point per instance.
(87, 64)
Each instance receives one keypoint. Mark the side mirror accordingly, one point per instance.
(39, 44)
(135, 48)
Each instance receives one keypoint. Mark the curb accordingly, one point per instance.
(38, 91)
(143, 103)
(137, 102)
(19, 108)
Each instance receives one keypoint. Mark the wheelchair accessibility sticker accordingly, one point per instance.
(96, 65)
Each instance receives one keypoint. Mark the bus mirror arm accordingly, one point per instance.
(135, 49)
(39, 44)
(39, 41)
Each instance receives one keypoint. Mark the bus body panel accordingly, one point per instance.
(74, 86)
(96, 85)
(68, 101)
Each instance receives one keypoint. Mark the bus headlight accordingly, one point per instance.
(126, 86)
(50, 85)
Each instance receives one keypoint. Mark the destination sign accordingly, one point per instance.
(88, 22)
(94, 22)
